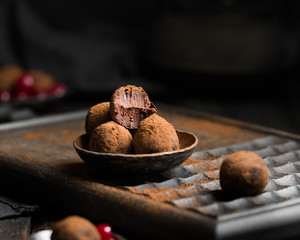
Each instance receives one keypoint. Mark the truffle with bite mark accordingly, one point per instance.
(154, 135)
(243, 173)
(111, 137)
(9, 74)
(74, 228)
(97, 114)
(130, 105)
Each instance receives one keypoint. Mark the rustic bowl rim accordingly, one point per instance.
(139, 155)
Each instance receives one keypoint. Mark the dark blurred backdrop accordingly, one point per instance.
(234, 58)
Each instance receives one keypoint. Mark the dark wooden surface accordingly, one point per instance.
(40, 165)
(15, 228)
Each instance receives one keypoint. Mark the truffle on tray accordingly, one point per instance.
(243, 173)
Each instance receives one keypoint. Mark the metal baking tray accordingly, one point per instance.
(38, 163)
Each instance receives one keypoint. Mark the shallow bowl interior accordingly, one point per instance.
(141, 163)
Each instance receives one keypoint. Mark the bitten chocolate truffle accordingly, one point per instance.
(243, 173)
(9, 74)
(154, 135)
(130, 105)
(97, 114)
(74, 228)
(111, 137)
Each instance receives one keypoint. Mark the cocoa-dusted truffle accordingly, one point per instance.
(130, 105)
(243, 173)
(74, 228)
(154, 135)
(97, 114)
(42, 81)
(9, 74)
(111, 137)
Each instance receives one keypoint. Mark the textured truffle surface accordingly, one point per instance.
(155, 134)
(130, 105)
(243, 173)
(9, 75)
(111, 137)
(97, 114)
(74, 228)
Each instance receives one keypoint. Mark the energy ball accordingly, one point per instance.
(111, 137)
(9, 74)
(42, 80)
(97, 114)
(74, 228)
(130, 105)
(243, 173)
(154, 135)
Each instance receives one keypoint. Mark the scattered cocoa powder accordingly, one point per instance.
(60, 136)
(186, 189)
(35, 136)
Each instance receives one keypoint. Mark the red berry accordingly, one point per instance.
(5, 96)
(58, 89)
(25, 84)
(24, 87)
(105, 231)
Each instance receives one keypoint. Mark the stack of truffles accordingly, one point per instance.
(129, 124)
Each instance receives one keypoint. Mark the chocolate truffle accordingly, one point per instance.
(154, 135)
(97, 114)
(111, 137)
(74, 228)
(9, 74)
(243, 173)
(42, 81)
(130, 105)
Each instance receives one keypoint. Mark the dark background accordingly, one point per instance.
(233, 58)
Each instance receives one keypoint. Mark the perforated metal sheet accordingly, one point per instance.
(195, 185)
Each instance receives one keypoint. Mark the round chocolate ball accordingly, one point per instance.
(130, 105)
(111, 137)
(42, 81)
(9, 75)
(74, 228)
(97, 114)
(155, 134)
(243, 173)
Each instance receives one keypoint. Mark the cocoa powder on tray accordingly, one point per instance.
(186, 189)
(61, 136)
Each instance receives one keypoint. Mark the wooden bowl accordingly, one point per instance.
(138, 163)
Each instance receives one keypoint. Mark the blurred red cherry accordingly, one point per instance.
(58, 89)
(24, 87)
(5, 96)
(105, 231)
(25, 84)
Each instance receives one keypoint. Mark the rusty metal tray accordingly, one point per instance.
(39, 163)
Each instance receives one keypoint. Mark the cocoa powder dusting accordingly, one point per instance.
(61, 136)
(185, 189)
